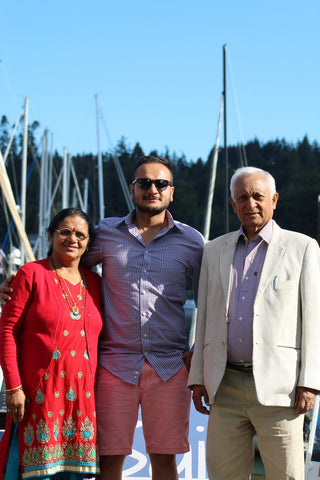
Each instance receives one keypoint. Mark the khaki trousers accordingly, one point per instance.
(235, 418)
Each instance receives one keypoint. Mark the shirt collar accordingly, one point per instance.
(128, 220)
(264, 234)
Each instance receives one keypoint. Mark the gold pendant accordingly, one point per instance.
(74, 314)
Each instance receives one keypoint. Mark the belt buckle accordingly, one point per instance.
(244, 367)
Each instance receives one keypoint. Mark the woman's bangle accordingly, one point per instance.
(12, 390)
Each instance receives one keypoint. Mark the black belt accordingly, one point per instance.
(240, 368)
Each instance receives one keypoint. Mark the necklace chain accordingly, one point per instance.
(75, 314)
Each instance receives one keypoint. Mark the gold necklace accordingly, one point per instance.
(75, 314)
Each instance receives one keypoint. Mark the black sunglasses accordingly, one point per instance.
(145, 183)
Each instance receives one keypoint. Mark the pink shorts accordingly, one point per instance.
(165, 408)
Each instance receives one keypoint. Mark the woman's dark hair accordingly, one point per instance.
(69, 212)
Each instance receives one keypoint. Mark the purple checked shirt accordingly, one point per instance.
(144, 294)
(246, 271)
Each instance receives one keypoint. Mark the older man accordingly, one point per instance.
(256, 361)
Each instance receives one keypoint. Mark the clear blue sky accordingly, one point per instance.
(157, 69)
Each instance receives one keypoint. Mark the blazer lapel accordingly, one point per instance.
(274, 254)
(226, 259)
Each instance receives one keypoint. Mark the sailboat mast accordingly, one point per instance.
(100, 170)
(65, 179)
(24, 175)
(226, 198)
(8, 194)
(207, 222)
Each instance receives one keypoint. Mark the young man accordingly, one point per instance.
(143, 353)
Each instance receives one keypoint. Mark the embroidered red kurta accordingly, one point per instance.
(54, 357)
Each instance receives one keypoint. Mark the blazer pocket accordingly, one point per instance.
(295, 347)
(282, 284)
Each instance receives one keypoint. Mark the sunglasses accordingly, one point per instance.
(66, 232)
(145, 183)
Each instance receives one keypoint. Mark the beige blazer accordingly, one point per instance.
(286, 319)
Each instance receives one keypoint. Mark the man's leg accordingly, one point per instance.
(117, 406)
(230, 433)
(165, 409)
(163, 467)
(280, 441)
(111, 467)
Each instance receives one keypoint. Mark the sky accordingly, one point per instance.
(156, 69)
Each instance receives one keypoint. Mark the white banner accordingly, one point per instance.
(313, 451)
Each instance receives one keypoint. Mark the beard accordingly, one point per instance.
(141, 206)
(154, 210)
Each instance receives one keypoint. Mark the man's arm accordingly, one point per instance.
(309, 375)
(197, 259)
(187, 356)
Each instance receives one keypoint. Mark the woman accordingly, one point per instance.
(48, 352)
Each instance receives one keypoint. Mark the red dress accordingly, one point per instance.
(58, 433)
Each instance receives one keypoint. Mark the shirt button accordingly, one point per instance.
(240, 340)
(243, 297)
(145, 335)
(240, 318)
(143, 292)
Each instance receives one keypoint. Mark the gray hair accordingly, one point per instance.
(247, 171)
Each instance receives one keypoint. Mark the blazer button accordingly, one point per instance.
(227, 320)
(223, 342)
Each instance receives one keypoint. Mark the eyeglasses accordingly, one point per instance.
(145, 183)
(66, 232)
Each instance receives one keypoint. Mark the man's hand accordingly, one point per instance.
(199, 392)
(187, 356)
(305, 399)
(5, 289)
(16, 405)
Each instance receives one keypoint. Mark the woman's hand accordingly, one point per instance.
(16, 404)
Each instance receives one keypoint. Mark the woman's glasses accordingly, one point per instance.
(145, 183)
(66, 232)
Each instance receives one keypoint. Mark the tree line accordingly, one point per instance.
(296, 168)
